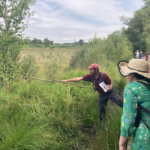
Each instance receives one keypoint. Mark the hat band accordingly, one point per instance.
(137, 70)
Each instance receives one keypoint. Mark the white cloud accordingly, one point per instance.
(43, 5)
(106, 11)
(65, 39)
(32, 22)
(79, 18)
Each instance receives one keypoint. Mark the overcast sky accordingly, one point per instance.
(62, 20)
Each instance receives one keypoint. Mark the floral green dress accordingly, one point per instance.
(136, 93)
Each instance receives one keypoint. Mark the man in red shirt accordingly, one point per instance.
(98, 77)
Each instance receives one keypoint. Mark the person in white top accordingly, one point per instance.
(137, 54)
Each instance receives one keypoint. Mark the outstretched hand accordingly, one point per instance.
(64, 81)
(122, 148)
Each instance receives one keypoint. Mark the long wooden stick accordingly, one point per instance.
(50, 80)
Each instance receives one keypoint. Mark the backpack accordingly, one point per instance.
(141, 108)
(102, 77)
(103, 80)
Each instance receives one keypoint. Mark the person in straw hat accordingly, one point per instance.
(136, 108)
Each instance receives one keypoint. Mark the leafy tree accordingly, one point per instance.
(46, 42)
(81, 42)
(138, 27)
(13, 12)
(27, 41)
(35, 41)
(40, 41)
(114, 48)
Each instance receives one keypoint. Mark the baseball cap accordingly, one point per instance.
(94, 66)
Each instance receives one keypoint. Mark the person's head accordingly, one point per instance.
(146, 56)
(94, 69)
(136, 69)
(141, 52)
(135, 77)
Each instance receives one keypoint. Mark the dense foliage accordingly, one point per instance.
(138, 30)
(103, 51)
(13, 13)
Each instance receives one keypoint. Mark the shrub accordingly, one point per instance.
(78, 59)
(51, 68)
(28, 66)
(101, 51)
(39, 45)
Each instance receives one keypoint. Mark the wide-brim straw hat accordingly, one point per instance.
(139, 66)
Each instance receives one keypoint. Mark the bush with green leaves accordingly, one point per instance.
(51, 69)
(13, 14)
(114, 48)
(28, 66)
(78, 60)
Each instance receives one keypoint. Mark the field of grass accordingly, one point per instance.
(38, 115)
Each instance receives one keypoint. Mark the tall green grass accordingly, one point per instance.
(37, 115)
(45, 115)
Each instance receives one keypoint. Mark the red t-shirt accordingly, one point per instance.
(149, 70)
(88, 77)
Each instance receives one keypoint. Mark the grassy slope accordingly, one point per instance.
(56, 116)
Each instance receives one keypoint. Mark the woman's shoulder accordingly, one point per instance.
(134, 85)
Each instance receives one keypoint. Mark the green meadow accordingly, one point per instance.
(39, 115)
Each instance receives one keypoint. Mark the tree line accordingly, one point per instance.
(49, 43)
(38, 42)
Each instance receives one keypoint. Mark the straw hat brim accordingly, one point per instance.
(125, 70)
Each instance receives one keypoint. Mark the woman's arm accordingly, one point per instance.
(129, 113)
(122, 142)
